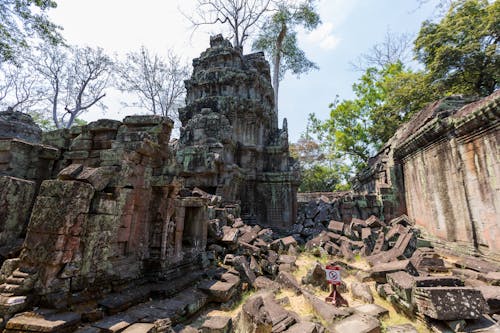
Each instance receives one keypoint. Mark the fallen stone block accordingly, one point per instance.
(477, 264)
(217, 324)
(492, 278)
(287, 280)
(38, 322)
(304, 327)
(492, 296)
(327, 312)
(241, 264)
(219, 291)
(362, 292)
(264, 283)
(357, 323)
(402, 284)
(230, 235)
(373, 310)
(115, 323)
(316, 277)
(380, 271)
(450, 303)
(404, 328)
(336, 227)
(140, 328)
(438, 281)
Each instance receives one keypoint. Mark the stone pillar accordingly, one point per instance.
(180, 213)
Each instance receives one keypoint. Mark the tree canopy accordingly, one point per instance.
(278, 38)
(21, 20)
(460, 55)
(461, 52)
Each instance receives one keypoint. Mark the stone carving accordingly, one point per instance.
(230, 143)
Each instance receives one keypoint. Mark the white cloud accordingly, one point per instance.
(324, 37)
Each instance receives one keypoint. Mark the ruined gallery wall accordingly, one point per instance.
(452, 182)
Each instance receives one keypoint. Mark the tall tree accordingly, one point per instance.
(75, 78)
(278, 38)
(238, 17)
(461, 52)
(21, 20)
(157, 82)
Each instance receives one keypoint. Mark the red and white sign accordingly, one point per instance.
(333, 274)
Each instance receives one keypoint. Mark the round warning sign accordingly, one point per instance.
(333, 274)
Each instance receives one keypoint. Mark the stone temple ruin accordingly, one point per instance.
(113, 227)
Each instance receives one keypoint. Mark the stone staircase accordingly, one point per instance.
(15, 290)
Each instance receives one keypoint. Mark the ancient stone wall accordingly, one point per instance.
(442, 168)
(451, 172)
(230, 143)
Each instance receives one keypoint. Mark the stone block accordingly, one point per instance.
(52, 322)
(450, 303)
(380, 271)
(217, 324)
(357, 323)
(373, 310)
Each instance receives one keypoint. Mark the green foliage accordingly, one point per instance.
(357, 128)
(460, 55)
(461, 52)
(21, 20)
(278, 36)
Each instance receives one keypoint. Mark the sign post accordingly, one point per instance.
(333, 278)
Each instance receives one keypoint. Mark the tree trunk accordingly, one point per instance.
(276, 69)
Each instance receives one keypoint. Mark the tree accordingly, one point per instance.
(157, 82)
(460, 52)
(278, 38)
(396, 47)
(238, 17)
(385, 99)
(22, 19)
(19, 88)
(75, 79)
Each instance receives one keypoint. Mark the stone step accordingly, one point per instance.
(9, 288)
(20, 274)
(15, 280)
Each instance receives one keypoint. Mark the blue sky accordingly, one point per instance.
(349, 28)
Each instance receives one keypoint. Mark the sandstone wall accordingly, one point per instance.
(442, 168)
(452, 182)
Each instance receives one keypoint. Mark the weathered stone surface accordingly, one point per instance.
(373, 310)
(139, 328)
(16, 198)
(492, 296)
(362, 292)
(316, 276)
(404, 328)
(436, 303)
(325, 311)
(380, 271)
(52, 322)
(357, 323)
(304, 327)
(14, 124)
(217, 324)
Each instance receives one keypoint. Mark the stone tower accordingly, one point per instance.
(230, 143)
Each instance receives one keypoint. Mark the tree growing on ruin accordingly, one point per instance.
(157, 82)
(238, 17)
(20, 21)
(278, 38)
(74, 78)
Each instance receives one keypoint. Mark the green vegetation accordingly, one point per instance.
(22, 20)
(459, 55)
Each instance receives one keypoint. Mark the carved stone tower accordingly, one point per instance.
(230, 143)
